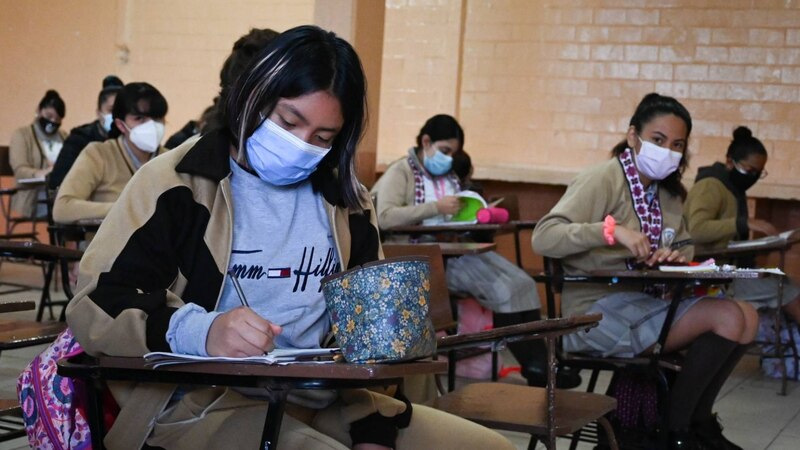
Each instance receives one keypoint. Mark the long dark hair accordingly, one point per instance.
(655, 105)
(441, 127)
(744, 144)
(301, 61)
(51, 99)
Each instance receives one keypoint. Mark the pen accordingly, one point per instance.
(238, 289)
(679, 244)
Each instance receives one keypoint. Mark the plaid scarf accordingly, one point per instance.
(649, 213)
(419, 184)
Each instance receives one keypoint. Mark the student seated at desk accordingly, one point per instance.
(716, 213)
(421, 188)
(80, 137)
(33, 149)
(103, 169)
(272, 187)
(614, 216)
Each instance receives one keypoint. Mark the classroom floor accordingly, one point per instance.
(753, 414)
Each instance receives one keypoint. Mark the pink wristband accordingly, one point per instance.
(609, 224)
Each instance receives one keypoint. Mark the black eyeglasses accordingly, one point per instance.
(761, 174)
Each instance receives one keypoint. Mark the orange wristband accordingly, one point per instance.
(609, 225)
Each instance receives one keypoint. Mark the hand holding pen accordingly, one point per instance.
(241, 332)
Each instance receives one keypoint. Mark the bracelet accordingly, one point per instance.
(609, 224)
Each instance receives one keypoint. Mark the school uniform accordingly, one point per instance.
(96, 180)
(716, 213)
(573, 232)
(30, 150)
(163, 251)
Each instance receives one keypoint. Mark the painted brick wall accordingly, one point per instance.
(176, 45)
(548, 87)
(420, 70)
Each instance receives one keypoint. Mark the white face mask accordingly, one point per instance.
(147, 136)
(108, 119)
(656, 163)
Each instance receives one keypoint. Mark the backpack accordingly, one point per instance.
(54, 407)
(790, 338)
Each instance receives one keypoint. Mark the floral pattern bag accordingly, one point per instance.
(379, 311)
(54, 407)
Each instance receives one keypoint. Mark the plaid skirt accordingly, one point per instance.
(630, 325)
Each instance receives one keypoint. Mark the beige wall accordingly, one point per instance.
(547, 87)
(176, 45)
(543, 88)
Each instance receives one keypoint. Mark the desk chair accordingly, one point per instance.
(52, 257)
(12, 220)
(782, 349)
(661, 367)
(541, 412)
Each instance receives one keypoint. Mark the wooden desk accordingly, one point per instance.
(781, 247)
(514, 226)
(17, 305)
(278, 379)
(52, 255)
(451, 249)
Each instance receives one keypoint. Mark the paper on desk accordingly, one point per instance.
(280, 356)
(700, 268)
(31, 180)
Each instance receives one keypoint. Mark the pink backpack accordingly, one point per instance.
(54, 407)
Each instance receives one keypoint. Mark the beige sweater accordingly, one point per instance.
(710, 212)
(26, 157)
(394, 195)
(573, 231)
(94, 182)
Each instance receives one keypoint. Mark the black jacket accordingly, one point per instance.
(78, 138)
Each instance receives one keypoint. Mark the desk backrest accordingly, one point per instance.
(5, 162)
(440, 311)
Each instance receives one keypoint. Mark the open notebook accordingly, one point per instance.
(278, 356)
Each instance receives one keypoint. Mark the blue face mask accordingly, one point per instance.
(438, 164)
(281, 158)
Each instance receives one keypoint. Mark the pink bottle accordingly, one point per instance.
(492, 215)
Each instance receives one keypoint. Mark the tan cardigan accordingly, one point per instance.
(711, 211)
(573, 231)
(394, 195)
(94, 182)
(26, 157)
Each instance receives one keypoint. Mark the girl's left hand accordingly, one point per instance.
(663, 255)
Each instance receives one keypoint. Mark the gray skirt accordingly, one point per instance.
(630, 325)
(763, 292)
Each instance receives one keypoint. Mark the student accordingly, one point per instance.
(595, 226)
(276, 182)
(103, 169)
(716, 213)
(33, 150)
(421, 188)
(80, 137)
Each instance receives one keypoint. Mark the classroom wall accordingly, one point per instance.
(546, 87)
(176, 45)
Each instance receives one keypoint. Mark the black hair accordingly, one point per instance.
(301, 61)
(744, 144)
(51, 99)
(128, 99)
(111, 85)
(654, 105)
(441, 127)
(462, 164)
